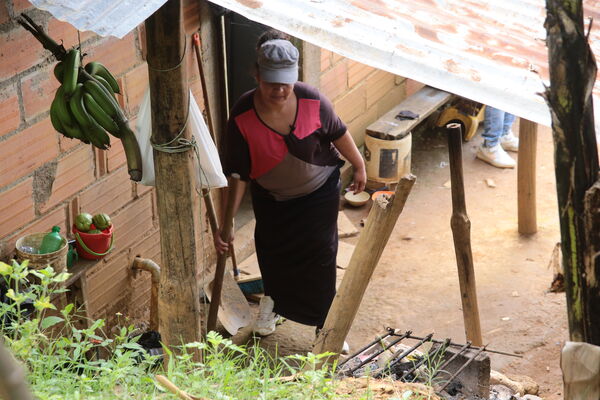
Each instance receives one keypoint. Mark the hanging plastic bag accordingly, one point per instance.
(143, 133)
(209, 173)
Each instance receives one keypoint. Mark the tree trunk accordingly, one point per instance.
(572, 75)
(179, 293)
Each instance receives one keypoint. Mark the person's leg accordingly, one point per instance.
(508, 140)
(491, 151)
(492, 126)
(509, 119)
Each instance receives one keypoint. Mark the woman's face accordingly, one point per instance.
(275, 94)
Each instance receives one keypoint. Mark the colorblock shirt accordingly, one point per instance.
(286, 165)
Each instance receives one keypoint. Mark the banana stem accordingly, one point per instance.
(58, 50)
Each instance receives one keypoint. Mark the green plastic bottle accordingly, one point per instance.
(51, 242)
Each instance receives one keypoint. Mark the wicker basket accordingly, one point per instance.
(57, 259)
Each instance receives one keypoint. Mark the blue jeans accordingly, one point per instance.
(496, 124)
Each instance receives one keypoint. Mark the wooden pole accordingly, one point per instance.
(179, 294)
(572, 75)
(227, 227)
(461, 232)
(526, 177)
(371, 243)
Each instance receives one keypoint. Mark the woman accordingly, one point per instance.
(282, 139)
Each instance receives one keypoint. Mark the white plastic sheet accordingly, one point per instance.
(104, 17)
(209, 173)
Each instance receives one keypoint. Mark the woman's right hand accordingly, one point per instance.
(220, 245)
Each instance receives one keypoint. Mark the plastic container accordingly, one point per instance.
(387, 160)
(27, 248)
(51, 242)
(93, 246)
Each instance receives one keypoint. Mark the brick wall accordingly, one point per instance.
(360, 94)
(46, 179)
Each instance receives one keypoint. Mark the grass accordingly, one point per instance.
(64, 361)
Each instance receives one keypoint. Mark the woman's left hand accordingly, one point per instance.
(359, 181)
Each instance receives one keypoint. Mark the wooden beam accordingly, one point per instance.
(526, 177)
(371, 243)
(179, 293)
(461, 233)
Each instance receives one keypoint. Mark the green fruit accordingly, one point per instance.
(94, 231)
(83, 222)
(101, 221)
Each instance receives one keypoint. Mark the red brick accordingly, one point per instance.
(115, 155)
(325, 59)
(337, 57)
(74, 172)
(22, 153)
(351, 104)
(107, 195)
(133, 222)
(18, 52)
(66, 32)
(357, 72)
(359, 125)
(149, 247)
(334, 81)
(16, 207)
(108, 282)
(42, 224)
(413, 87)
(21, 5)
(378, 84)
(136, 83)
(38, 91)
(141, 31)
(391, 99)
(65, 144)
(118, 55)
(10, 116)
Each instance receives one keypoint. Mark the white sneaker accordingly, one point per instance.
(495, 156)
(267, 319)
(510, 142)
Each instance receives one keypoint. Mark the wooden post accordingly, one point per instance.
(380, 223)
(179, 294)
(461, 232)
(572, 75)
(526, 177)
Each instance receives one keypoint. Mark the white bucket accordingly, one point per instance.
(387, 160)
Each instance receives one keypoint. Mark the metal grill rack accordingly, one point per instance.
(406, 359)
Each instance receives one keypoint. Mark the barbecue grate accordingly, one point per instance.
(409, 358)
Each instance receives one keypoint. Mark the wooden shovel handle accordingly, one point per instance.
(222, 259)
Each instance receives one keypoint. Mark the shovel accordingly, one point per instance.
(232, 309)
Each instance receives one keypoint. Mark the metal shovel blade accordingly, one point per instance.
(234, 311)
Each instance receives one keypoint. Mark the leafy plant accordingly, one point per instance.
(65, 361)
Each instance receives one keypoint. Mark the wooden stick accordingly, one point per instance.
(171, 387)
(526, 177)
(372, 241)
(461, 232)
(222, 259)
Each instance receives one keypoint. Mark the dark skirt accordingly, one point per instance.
(296, 246)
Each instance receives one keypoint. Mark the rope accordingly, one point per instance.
(178, 64)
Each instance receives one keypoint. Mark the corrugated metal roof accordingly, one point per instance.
(104, 17)
(489, 51)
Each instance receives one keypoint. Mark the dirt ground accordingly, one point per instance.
(415, 286)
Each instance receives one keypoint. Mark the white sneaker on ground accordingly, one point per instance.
(495, 156)
(510, 142)
(345, 347)
(267, 319)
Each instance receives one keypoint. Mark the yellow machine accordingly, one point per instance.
(466, 112)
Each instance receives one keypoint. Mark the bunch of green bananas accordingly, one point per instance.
(85, 108)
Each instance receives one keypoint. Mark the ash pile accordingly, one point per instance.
(454, 371)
